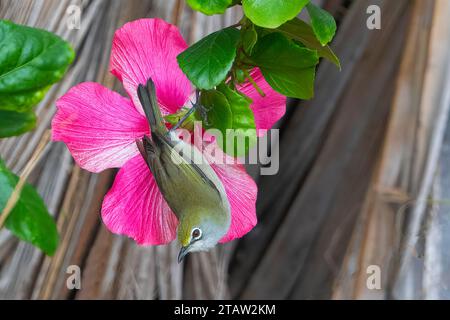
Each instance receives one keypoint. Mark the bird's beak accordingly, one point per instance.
(183, 252)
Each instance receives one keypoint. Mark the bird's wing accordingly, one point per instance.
(177, 157)
(182, 182)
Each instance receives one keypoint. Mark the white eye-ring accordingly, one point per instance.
(196, 234)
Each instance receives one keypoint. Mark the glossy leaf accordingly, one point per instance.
(249, 38)
(30, 61)
(218, 110)
(287, 67)
(29, 220)
(301, 31)
(209, 7)
(272, 13)
(322, 22)
(243, 137)
(207, 62)
(229, 111)
(15, 123)
(25, 101)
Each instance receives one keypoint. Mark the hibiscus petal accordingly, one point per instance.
(241, 191)
(148, 48)
(240, 188)
(99, 126)
(135, 207)
(268, 109)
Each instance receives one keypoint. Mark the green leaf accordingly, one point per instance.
(249, 37)
(240, 75)
(243, 137)
(272, 13)
(229, 111)
(210, 7)
(287, 67)
(25, 101)
(14, 123)
(29, 219)
(323, 23)
(301, 31)
(30, 61)
(207, 62)
(218, 110)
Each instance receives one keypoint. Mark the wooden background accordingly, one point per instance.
(363, 175)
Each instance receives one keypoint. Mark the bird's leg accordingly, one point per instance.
(202, 110)
(194, 107)
(203, 113)
(183, 119)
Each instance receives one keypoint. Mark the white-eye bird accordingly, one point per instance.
(193, 191)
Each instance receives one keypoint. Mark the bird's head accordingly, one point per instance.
(200, 231)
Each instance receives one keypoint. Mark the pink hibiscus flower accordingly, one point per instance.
(100, 128)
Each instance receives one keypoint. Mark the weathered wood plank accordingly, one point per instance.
(325, 257)
(437, 257)
(292, 242)
(434, 112)
(74, 195)
(306, 213)
(20, 270)
(306, 130)
(397, 199)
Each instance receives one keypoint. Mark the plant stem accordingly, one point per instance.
(12, 201)
(255, 85)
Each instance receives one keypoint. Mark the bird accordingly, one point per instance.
(191, 188)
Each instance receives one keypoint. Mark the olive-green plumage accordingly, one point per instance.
(187, 182)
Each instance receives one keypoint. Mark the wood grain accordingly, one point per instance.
(351, 161)
(112, 266)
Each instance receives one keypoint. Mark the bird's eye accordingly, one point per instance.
(196, 234)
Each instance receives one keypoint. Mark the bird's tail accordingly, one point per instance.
(147, 97)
